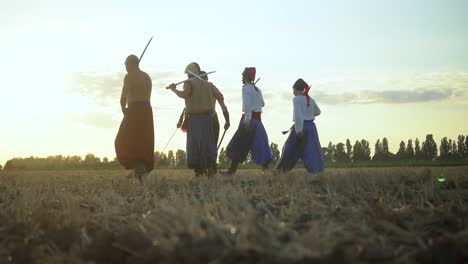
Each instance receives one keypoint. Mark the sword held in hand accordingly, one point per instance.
(221, 141)
(197, 76)
(192, 78)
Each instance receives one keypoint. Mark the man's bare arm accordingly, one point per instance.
(220, 98)
(182, 94)
(123, 97)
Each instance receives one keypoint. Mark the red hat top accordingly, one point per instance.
(250, 72)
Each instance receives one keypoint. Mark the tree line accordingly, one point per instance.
(340, 153)
(427, 150)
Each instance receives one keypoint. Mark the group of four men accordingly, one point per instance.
(134, 143)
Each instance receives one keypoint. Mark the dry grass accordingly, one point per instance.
(397, 215)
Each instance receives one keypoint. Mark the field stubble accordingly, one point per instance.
(384, 215)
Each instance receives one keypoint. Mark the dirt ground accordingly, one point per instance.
(381, 215)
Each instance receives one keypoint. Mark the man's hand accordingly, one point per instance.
(227, 123)
(172, 86)
(300, 136)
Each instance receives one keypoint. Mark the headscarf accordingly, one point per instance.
(193, 67)
(205, 77)
(301, 85)
(250, 72)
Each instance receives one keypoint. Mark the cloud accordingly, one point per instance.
(414, 96)
(390, 96)
(437, 87)
(94, 119)
(104, 88)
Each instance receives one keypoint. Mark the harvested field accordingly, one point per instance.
(381, 215)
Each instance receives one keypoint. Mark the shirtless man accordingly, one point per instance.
(134, 143)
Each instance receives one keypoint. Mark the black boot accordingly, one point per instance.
(139, 171)
(212, 170)
(233, 169)
(199, 171)
(265, 167)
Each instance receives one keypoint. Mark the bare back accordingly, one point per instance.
(137, 86)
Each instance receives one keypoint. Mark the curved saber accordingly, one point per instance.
(221, 141)
(169, 140)
(192, 78)
(143, 53)
(197, 76)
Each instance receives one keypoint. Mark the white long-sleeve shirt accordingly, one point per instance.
(252, 100)
(303, 112)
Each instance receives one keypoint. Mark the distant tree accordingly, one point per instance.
(382, 152)
(275, 151)
(330, 154)
(417, 150)
(76, 160)
(181, 158)
(9, 165)
(410, 150)
(365, 150)
(56, 162)
(401, 154)
(466, 146)
(325, 152)
(357, 151)
(385, 148)
(222, 157)
(349, 149)
(90, 160)
(1, 167)
(170, 159)
(455, 154)
(378, 152)
(429, 148)
(340, 154)
(105, 160)
(462, 150)
(161, 160)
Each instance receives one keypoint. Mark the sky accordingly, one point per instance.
(395, 69)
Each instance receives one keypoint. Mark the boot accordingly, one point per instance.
(232, 170)
(139, 170)
(212, 170)
(265, 167)
(199, 172)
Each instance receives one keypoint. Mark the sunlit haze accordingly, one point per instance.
(395, 69)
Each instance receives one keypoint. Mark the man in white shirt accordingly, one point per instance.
(250, 135)
(303, 141)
